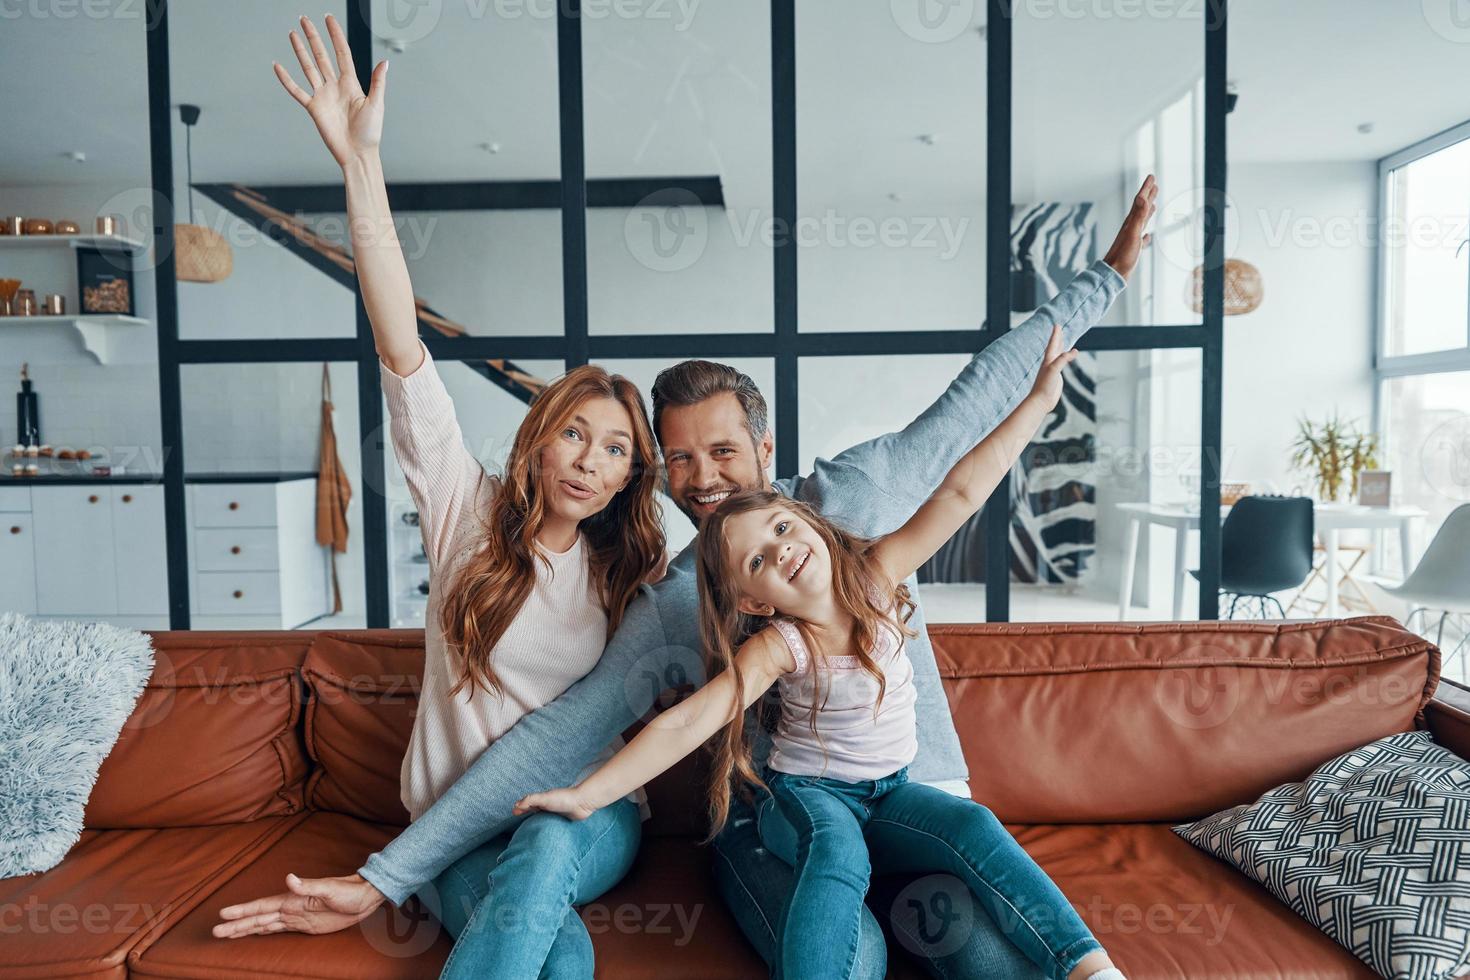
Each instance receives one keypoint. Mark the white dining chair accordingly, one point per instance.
(1441, 581)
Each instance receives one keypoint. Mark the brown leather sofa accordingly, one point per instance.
(254, 754)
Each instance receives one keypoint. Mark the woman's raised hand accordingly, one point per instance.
(350, 123)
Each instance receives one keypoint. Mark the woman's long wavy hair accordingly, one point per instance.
(861, 590)
(625, 539)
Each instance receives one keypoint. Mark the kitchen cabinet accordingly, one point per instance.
(97, 551)
(17, 552)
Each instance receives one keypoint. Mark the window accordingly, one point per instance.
(1423, 364)
(1426, 254)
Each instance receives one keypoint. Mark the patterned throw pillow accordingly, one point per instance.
(1373, 849)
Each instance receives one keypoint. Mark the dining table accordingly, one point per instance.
(1329, 520)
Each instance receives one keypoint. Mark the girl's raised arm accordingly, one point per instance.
(976, 474)
(351, 125)
(673, 734)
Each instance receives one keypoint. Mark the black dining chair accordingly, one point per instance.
(1265, 547)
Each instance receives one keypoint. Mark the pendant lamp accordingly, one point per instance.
(200, 254)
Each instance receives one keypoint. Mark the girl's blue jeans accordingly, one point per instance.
(508, 903)
(835, 834)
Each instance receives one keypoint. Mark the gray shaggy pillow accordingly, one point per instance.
(66, 689)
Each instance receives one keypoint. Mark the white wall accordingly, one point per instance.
(1307, 349)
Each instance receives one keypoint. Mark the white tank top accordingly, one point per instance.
(854, 746)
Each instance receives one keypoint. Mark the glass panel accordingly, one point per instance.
(838, 412)
(1426, 437)
(1122, 446)
(643, 371)
(681, 99)
(1428, 275)
(890, 166)
(252, 437)
(473, 100)
(453, 118)
(1106, 94)
(488, 416)
(1426, 448)
(252, 134)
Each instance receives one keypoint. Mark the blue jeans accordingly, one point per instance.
(835, 834)
(508, 903)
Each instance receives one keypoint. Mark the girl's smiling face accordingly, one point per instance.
(777, 561)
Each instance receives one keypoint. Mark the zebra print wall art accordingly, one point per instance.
(1053, 486)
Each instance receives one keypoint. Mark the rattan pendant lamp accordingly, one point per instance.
(200, 254)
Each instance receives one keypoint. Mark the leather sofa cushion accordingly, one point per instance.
(1096, 722)
(635, 929)
(117, 891)
(391, 943)
(214, 738)
(1164, 909)
(362, 692)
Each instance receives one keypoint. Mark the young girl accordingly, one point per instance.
(530, 572)
(822, 616)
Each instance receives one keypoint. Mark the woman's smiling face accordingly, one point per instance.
(777, 560)
(588, 461)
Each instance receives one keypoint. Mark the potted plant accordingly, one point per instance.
(1332, 453)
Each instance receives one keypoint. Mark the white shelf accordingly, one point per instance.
(74, 241)
(106, 336)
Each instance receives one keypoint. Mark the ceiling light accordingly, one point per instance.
(76, 155)
(1365, 128)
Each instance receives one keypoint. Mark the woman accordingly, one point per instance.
(529, 573)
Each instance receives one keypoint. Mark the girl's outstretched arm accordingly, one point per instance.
(977, 473)
(673, 734)
(351, 125)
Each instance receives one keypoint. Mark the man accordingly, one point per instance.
(711, 423)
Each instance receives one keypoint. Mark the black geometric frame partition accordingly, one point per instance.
(785, 345)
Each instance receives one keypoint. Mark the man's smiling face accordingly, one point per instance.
(709, 454)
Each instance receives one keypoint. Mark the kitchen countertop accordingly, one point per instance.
(84, 479)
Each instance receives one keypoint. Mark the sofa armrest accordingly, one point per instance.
(1449, 718)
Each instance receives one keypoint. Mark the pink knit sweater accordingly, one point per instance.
(555, 639)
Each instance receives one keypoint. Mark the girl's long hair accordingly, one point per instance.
(861, 590)
(625, 539)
